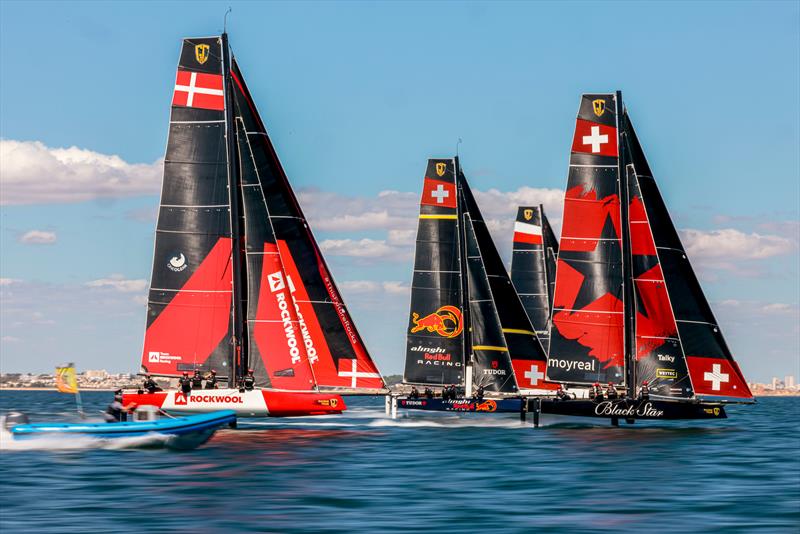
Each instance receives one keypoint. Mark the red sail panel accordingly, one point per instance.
(196, 320)
(358, 372)
(278, 331)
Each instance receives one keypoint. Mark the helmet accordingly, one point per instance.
(645, 382)
(197, 371)
(249, 370)
(147, 375)
(186, 373)
(611, 383)
(213, 371)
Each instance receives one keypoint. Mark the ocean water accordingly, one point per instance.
(363, 472)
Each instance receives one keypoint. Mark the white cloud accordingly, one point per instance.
(32, 173)
(731, 244)
(9, 281)
(392, 287)
(119, 283)
(38, 237)
(10, 339)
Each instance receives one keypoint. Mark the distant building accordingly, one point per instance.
(788, 381)
(100, 374)
(775, 382)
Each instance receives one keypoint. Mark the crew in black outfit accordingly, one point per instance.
(211, 380)
(197, 380)
(611, 391)
(116, 412)
(150, 385)
(561, 394)
(414, 393)
(429, 393)
(479, 393)
(185, 383)
(645, 391)
(249, 381)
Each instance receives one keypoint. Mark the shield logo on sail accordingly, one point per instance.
(201, 53)
(528, 214)
(716, 411)
(599, 106)
(440, 168)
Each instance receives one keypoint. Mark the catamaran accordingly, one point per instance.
(533, 267)
(467, 326)
(628, 310)
(238, 280)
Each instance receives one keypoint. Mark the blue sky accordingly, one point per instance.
(356, 96)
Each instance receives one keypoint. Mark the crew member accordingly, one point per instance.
(149, 384)
(185, 383)
(414, 393)
(645, 390)
(479, 393)
(598, 392)
(211, 380)
(429, 393)
(561, 394)
(249, 381)
(116, 412)
(197, 380)
(592, 391)
(611, 391)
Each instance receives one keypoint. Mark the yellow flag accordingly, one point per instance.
(66, 380)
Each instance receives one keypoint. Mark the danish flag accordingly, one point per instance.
(198, 90)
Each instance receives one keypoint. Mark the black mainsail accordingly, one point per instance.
(238, 279)
(533, 267)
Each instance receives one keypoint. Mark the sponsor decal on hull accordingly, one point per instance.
(248, 402)
(621, 409)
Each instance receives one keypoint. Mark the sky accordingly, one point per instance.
(356, 96)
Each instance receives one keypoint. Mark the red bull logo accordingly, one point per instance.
(446, 321)
(486, 406)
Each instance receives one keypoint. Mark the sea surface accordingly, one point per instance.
(433, 473)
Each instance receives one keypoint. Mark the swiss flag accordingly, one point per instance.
(198, 90)
(439, 193)
(530, 374)
(593, 138)
(716, 376)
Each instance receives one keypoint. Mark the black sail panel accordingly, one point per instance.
(435, 335)
(334, 347)
(189, 305)
(586, 339)
(527, 356)
(711, 366)
(533, 264)
(491, 361)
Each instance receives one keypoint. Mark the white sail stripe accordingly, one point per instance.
(423, 271)
(194, 205)
(697, 322)
(256, 133)
(190, 290)
(527, 228)
(594, 166)
(482, 300)
(286, 217)
(592, 311)
(670, 248)
(592, 238)
(197, 122)
(251, 185)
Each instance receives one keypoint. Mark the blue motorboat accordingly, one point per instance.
(186, 432)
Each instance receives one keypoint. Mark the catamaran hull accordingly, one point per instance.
(255, 403)
(463, 405)
(627, 409)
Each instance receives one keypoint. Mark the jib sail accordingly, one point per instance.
(533, 267)
(435, 335)
(189, 324)
(317, 324)
(525, 352)
(586, 339)
(674, 320)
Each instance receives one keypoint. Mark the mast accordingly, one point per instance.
(239, 354)
(629, 324)
(462, 245)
